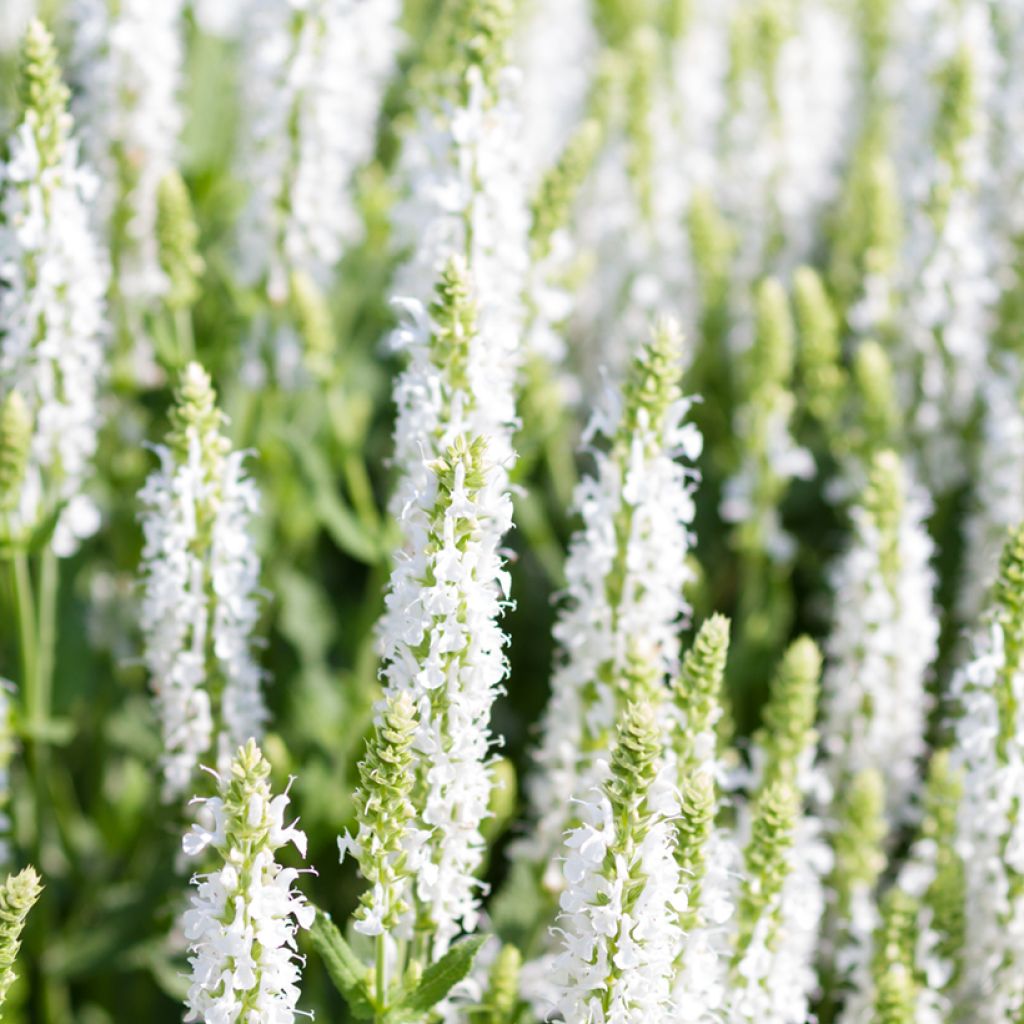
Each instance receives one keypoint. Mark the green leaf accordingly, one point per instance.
(346, 970)
(439, 978)
(337, 518)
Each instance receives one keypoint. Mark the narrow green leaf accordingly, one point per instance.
(439, 978)
(346, 970)
(336, 517)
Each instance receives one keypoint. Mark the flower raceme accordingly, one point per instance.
(53, 277)
(619, 918)
(200, 574)
(244, 915)
(440, 634)
(625, 596)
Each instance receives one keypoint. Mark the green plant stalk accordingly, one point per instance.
(49, 588)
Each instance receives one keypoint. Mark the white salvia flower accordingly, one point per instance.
(53, 278)
(815, 69)
(244, 917)
(315, 72)
(440, 635)
(222, 18)
(555, 46)
(200, 575)
(462, 186)
(128, 57)
(627, 569)
(884, 639)
(989, 751)
(14, 19)
(619, 919)
(947, 313)
(998, 498)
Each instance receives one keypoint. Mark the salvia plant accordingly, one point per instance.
(571, 454)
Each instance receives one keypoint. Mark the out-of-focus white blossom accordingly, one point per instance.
(314, 74)
(14, 19)
(989, 752)
(53, 277)
(244, 916)
(884, 639)
(128, 57)
(200, 574)
(948, 56)
(462, 190)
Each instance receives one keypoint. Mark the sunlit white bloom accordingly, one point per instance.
(884, 639)
(14, 19)
(624, 595)
(127, 58)
(463, 194)
(440, 636)
(951, 63)
(53, 278)
(315, 72)
(619, 920)
(998, 499)
(244, 916)
(989, 752)
(555, 47)
(200, 606)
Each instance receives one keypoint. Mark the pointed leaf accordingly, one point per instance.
(440, 977)
(346, 970)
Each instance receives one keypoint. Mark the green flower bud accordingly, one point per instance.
(876, 391)
(552, 206)
(697, 691)
(634, 761)
(893, 964)
(15, 442)
(771, 356)
(18, 895)
(313, 320)
(385, 811)
(693, 829)
(765, 858)
(177, 237)
(196, 416)
(454, 314)
(503, 800)
(859, 837)
(502, 997)
(789, 714)
(820, 353)
(654, 382)
(643, 53)
(883, 499)
(713, 244)
(945, 896)
(43, 93)
(957, 114)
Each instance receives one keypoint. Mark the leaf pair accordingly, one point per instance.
(349, 975)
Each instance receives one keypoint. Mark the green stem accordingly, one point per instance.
(24, 601)
(184, 335)
(381, 971)
(49, 585)
(360, 490)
